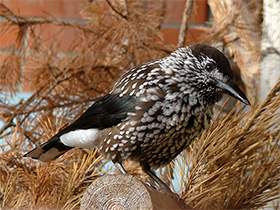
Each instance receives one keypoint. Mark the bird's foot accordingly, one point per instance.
(175, 196)
(152, 185)
(167, 191)
(164, 190)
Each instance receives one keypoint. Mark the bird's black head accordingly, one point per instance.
(213, 70)
(212, 58)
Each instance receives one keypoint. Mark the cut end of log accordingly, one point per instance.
(127, 192)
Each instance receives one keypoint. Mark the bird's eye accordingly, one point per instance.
(210, 66)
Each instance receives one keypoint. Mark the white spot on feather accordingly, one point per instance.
(133, 148)
(134, 85)
(124, 141)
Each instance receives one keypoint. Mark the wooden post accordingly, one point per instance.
(127, 192)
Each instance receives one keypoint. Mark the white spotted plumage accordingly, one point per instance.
(165, 104)
(153, 111)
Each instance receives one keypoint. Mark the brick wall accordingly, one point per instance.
(68, 11)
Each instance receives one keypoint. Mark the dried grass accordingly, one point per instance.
(234, 164)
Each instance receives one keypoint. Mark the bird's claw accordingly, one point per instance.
(152, 185)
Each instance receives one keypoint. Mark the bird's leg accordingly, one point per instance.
(123, 171)
(163, 187)
(120, 167)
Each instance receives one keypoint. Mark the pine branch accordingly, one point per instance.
(184, 24)
(115, 10)
(21, 21)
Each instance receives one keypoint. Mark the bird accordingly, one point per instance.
(153, 111)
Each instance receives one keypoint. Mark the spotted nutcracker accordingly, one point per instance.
(153, 112)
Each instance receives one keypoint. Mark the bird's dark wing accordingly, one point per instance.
(106, 112)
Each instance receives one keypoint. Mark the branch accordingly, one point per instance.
(273, 93)
(116, 11)
(6, 126)
(43, 91)
(184, 25)
(22, 21)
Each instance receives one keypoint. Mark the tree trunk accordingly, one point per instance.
(270, 64)
(127, 192)
(237, 25)
(270, 46)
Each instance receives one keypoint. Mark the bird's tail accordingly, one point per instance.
(48, 151)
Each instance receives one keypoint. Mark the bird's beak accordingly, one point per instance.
(233, 90)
